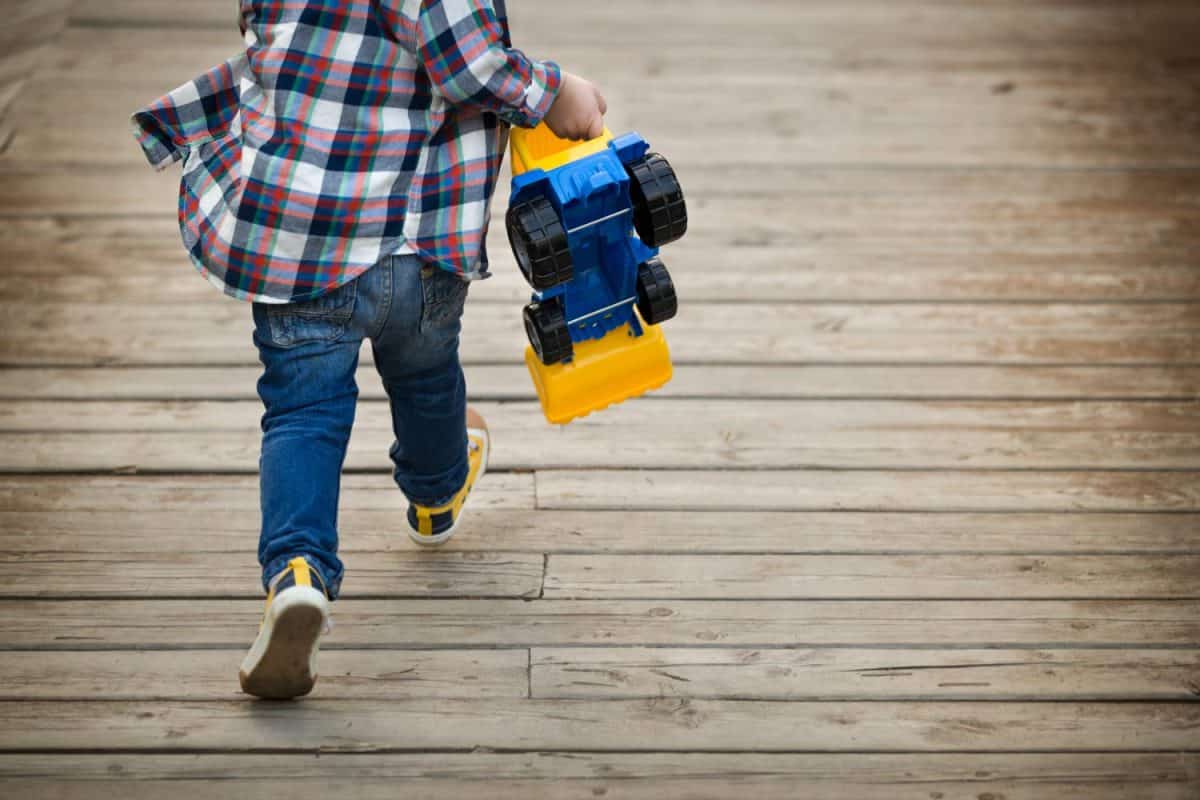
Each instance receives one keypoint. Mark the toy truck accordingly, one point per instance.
(585, 222)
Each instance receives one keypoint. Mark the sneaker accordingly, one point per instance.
(282, 662)
(431, 526)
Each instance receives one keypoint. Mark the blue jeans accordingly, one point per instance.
(309, 351)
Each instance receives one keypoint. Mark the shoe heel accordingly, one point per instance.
(283, 662)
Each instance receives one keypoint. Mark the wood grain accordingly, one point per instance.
(511, 382)
(812, 119)
(850, 674)
(381, 675)
(628, 776)
(82, 259)
(665, 724)
(974, 100)
(29, 34)
(869, 490)
(933, 576)
(192, 436)
(625, 673)
(199, 494)
(496, 526)
(420, 624)
(1006, 214)
(218, 333)
(1065, 24)
(407, 572)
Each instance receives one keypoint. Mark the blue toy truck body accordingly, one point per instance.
(592, 198)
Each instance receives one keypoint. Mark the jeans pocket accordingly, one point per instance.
(443, 295)
(322, 319)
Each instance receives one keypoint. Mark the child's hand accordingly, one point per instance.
(578, 111)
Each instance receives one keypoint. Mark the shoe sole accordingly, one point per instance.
(282, 663)
(444, 536)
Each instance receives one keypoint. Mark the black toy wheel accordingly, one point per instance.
(655, 292)
(547, 330)
(659, 212)
(539, 243)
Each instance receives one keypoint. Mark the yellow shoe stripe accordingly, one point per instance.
(425, 514)
(301, 572)
(299, 568)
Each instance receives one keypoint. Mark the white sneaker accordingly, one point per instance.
(282, 662)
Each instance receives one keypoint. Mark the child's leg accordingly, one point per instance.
(309, 352)
(416, 354)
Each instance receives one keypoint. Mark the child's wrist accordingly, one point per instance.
(550, 80)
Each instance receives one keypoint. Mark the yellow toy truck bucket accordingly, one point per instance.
(602, 373)
(539, 148)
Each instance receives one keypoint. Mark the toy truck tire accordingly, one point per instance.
(539, 243)
(546, 327)
(659, 211)
(656, 300)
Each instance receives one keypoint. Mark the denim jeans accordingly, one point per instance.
(309, 351)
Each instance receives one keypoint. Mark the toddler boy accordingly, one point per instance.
(337, 174)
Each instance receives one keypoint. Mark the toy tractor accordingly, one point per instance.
(585, 221)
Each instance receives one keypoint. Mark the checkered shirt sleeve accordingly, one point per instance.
(464, 49)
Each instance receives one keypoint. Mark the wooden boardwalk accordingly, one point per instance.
(918, 519)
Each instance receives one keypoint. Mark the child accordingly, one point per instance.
(337, 174)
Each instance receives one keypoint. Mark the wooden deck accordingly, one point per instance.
(918, 519)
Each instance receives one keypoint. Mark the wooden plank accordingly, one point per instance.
(669, 724)
(11, 86)
(397, 573)
(872, 109)
(7, 132)
(512, 419)
(798, 37)
(700, 269)
(385, 675)
(201, 494)
(511, 382)
(30, 29)
(807, 490)
(419, 624)
(408, 572)
(218, 333)
(677, 433)
(898, 114)
(977, 243)
(625, 673)
(897, 216)
(628, 776)
(854, 674)
(1064, 23)
(86, 259)
(796, 577)
(495, 528)
(855, 490)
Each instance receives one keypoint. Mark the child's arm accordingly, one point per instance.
(461, 45)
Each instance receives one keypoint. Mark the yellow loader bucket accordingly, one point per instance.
(603, 372)
(539, 148)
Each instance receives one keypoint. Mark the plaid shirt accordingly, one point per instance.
(347, 131)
